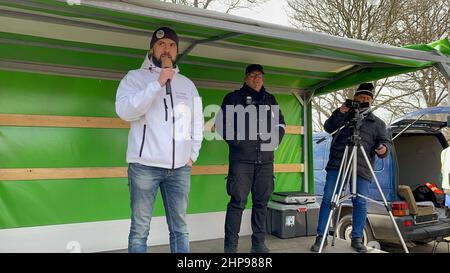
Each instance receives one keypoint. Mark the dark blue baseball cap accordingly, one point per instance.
(254, 67)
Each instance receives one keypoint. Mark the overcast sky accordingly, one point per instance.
(272, 12)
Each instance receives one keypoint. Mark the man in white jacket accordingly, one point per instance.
(164, 140)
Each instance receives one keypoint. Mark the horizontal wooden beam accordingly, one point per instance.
(294, 130)
(113, 172)
(88, 122)
(61, 121)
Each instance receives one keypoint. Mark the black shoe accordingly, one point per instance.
(316, 246)
(358, 245)
(260, 248)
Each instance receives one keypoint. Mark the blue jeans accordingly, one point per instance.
(359, 204)
(143, 184)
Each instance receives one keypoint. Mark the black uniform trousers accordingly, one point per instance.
(242, 179)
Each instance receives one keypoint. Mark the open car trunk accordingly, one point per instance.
(419, 159)
(418, 145)
(419, 162)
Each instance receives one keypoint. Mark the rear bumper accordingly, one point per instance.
(383, 229)
(438, 229)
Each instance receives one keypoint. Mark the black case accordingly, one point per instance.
(291, 220)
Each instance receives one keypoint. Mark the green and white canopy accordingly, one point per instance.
(214, 47)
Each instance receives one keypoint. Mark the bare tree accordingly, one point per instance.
(226, 6)
(358, 19)
(426, 21)
(395, 22)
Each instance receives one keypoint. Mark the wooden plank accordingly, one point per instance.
(114, 172)
(90, 122)
(61, 121)
(294, 130)
(289, 168)
(209, 169)
(61, 173)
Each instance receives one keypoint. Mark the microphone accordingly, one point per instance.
(166, 62)
(168, 87)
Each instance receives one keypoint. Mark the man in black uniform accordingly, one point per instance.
(252, 125)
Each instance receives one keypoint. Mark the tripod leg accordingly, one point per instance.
(339, 210)
(388, 208)
(336, 196)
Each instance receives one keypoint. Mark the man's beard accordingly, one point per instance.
(157, 60)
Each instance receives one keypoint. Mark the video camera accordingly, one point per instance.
(352, 104)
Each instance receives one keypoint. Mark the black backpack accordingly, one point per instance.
(423, 193)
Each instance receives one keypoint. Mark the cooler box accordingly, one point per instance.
(294, 197)
(291, 220)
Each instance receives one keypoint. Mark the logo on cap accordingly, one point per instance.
(160, 34)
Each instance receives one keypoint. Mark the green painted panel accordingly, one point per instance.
(42, 147)
(291, 109)
(212, 97)
(85, 147)
(68, 57)
(288, 182)
(213, 152)
(290, 151)
(40, 94)
(216, 152)
(12, 38)
(52, 202)
(36, 203)
(208, 194)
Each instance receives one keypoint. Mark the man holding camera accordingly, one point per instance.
(374, 140)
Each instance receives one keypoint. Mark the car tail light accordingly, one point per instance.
(400, 208)
(407, 223)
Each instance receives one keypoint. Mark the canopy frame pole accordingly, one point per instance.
(305, 99)
(204, 41)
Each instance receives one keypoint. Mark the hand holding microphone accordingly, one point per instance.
(166, 73)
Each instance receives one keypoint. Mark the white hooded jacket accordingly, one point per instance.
(166, 130)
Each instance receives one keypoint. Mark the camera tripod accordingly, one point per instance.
(349, 164)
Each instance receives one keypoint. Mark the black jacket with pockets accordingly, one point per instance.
(244, 148)
(373, 133)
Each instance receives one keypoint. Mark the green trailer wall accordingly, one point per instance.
(29, 203)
